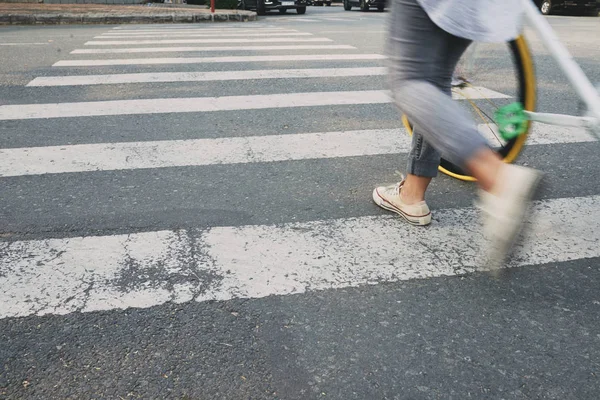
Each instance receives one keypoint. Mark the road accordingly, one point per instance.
(181, 221)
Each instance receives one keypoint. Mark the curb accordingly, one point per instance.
(101, 18)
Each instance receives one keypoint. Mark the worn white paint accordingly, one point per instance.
(225, 59)
(182, 41)
(182, 105)
(60, 276)
(111, 79)
(305, 20)
(214, 48)
(206, 35)
(173, 153)
(23, 44)
(198, 104)
(166, 28)
(198, 152)
(167, 32)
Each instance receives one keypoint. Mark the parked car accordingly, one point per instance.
(262, 6)
(365, 4)
(584, 7)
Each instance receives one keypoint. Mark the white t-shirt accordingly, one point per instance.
(478, 20)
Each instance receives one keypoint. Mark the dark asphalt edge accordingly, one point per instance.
(102, 18)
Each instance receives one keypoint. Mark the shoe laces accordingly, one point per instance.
(395, 189)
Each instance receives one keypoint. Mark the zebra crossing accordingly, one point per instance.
(57, 273)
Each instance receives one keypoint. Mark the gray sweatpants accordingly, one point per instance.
(422, 58)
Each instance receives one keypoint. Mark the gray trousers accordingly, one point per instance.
(421, 60)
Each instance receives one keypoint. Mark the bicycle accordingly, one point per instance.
(506, 122)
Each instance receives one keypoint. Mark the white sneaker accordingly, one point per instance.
(388, 197)
(505, 211)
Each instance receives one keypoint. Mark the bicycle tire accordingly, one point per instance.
(524, 69)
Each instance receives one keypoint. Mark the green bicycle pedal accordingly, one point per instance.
(511, 120)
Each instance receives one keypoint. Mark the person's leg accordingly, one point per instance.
(414, 46)
(422, 60)
(418, 51)
(423, 156)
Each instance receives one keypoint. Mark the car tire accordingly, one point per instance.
(301, 10)
(546, 7)
(381, 8)
(282, 10)
(328, 4)
(260, 7)
(347, 5)
(364, 6)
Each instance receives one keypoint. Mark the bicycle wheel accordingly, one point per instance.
(487, 77)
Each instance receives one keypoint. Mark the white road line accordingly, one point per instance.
(303, 19)
(187, 104)
(22, 44)
(253, 149)
(131, 28)
(217, 35)
(197, 152)
(111, 79)
(476, 92)
(182, 105)
(196, 30)
(214, 48)
(226, 59)
(83, 274)
(189, 41)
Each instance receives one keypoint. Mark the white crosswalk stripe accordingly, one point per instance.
(111, 79)
(213, 60)
(257, 149)
(169, 32)
(189, 41)
(134, 28)
(80, 274)
(207, 104)
(61, 276)
(208, 35)
(214, 48)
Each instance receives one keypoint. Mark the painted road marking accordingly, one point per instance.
(253, 149)
(111, 79)
(214, 48)
(212, 60)
(82, 274)
(193, 34)
(197, 104)
(196, 152)
(189, 41)
(195, 30)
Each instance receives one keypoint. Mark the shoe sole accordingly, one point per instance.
(499, 253)
(411, 219)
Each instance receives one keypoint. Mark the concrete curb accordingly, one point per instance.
(102, 18)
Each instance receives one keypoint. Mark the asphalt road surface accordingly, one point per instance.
(186, 214)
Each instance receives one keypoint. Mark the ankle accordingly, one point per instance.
(411, 197)
(414, 188)
(486, 167)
